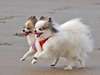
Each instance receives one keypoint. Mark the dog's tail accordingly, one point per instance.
(75, 25)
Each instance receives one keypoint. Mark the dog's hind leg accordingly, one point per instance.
(75, 62)
(69, 65)
(55, 62)
(81, 63)
(72, 62)
(28, 54)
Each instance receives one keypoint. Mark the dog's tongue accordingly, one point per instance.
(38, 34)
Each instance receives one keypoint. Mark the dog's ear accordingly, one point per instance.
(33, 19)
(49, 20)
(42, 17)
(51, 25)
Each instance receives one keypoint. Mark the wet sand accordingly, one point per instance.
(13, 14)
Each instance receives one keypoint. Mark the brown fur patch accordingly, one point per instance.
(44, 18)
(33, 19)
(49, 25)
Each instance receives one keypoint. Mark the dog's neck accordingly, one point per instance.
(30, 38)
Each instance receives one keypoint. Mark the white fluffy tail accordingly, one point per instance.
(75, 25)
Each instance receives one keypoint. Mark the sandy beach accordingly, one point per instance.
(13, 14)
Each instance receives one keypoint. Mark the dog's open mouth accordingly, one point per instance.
(23, 33)
(38, 34)
(27, 33)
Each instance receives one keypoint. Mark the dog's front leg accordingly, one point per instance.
(28, 54)
(38, 55)
(35, 57)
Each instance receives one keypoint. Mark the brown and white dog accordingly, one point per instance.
(28, 32)
(72, 41)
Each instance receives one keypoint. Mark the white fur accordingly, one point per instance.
(73, 42)
(75, 25)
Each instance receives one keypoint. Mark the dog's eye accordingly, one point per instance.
(28, 28)
(43, 28)
(40, 29)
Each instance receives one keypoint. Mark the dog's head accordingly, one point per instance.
(30, 24)
(44, 27)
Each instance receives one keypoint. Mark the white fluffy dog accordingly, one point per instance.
(72, 40)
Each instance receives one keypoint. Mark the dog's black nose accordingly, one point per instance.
(35, 31)
(23, 30)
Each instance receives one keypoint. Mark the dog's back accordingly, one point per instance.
(75, 25)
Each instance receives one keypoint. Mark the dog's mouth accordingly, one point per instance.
(27, 33)
(38, 34)
(23, 33)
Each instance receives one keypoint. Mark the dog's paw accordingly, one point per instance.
(69, 67)
(80, 66)
(34, 61)
(22, 59)
(52, 65)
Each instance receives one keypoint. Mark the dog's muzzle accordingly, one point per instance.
(26, 32)
(38, 34)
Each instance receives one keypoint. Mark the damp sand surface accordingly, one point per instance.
(13, 14)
